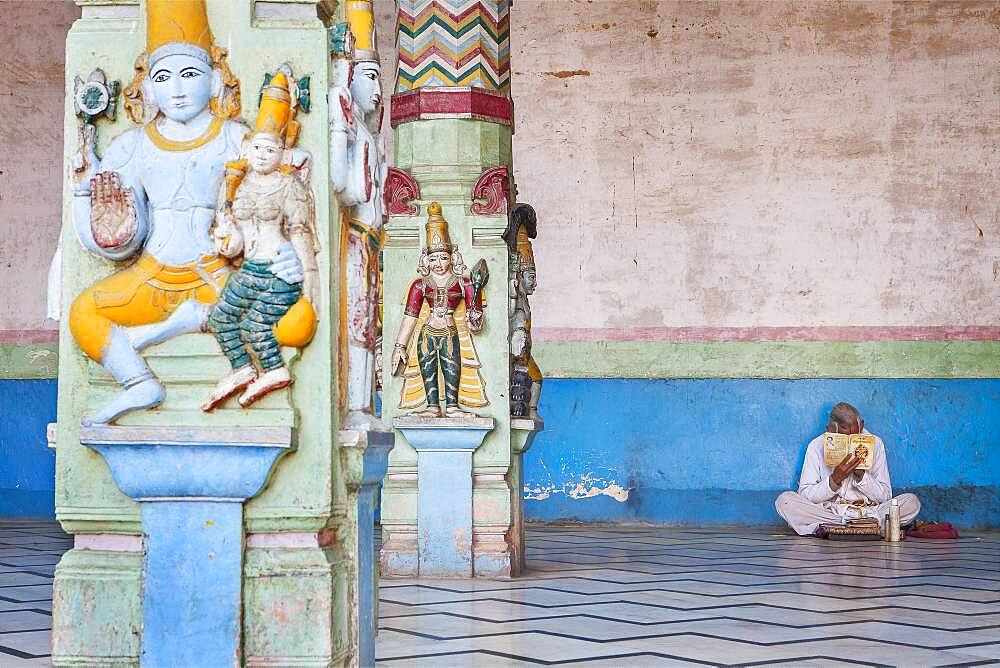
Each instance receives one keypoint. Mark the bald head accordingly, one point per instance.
(845, 419)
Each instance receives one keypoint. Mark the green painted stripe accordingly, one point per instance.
(765, 359)
(28, 361)
(654, 359)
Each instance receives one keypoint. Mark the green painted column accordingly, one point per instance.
(452, 118)
(300, 557)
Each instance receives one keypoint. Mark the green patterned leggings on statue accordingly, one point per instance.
(439, 349)
(243, 319)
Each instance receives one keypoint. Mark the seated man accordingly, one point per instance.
(835, 495)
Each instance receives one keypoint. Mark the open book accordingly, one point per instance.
(838, 446)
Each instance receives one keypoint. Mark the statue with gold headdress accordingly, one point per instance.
(357, 172)
(446, 307)
(152, 198)
(525, 376)
(265, 206)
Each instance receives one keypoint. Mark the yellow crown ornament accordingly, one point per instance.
(361, 21)
(276, 116)
(438, 239)
(177, 27)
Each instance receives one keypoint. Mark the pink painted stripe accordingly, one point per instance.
(738, 334)
(292, 539)
(108, 542)
(29, 335)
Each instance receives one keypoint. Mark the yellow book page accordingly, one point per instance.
(863, 445)
(835, 448)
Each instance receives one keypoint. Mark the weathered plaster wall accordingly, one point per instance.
(734, 164)
(716, 164)
(31, 111)
(719, 451)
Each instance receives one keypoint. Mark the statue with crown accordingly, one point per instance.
(153, 197)
(444, 307)
(357, 172)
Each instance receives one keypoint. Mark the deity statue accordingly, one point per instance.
(357, 172)
(525, 376)
(446, 306)
(153, 196)
(265, 206)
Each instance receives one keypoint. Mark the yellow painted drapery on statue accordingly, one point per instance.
(471, 386)
(148, 292)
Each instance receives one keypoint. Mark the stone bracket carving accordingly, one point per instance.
(400, 188)
(493, 186)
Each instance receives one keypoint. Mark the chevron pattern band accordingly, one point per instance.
(453, 43)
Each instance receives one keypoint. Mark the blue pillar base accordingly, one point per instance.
(444, 496)
(191, 484)
(365, 458)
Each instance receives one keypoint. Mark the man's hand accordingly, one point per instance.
(843, 469)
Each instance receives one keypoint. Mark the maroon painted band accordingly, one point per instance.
(450, 102)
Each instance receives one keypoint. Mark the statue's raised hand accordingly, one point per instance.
(341, 110)
(85, 161)
(113, 220)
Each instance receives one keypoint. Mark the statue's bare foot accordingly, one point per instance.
(455, 411)
(229, 386)
(272, 380)
(430, 411)
(144, 394)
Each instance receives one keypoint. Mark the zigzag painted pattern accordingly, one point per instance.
(453, 43)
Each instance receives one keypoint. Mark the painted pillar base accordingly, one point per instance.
(190, 484)
(364, 456)
(523, 432)
(444, 497)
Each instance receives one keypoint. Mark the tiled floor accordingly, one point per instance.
(640, 597)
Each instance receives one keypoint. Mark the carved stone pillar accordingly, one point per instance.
(206, 532)
(452, 117)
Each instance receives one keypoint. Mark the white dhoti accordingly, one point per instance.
(805, 516)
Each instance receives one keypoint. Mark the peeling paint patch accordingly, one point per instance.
(586, 488)
(565, 74)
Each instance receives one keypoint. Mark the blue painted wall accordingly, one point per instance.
(692, 452)
(27, 465)
(701, 452)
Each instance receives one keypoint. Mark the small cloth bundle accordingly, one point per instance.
(933, 530)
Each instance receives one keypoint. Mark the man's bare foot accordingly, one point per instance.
(430, 411)
(229, 386)
(272, 380)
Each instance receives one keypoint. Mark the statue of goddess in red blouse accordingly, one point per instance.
(446, 306)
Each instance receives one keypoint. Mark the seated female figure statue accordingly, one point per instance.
(153, 196)
(265, 207)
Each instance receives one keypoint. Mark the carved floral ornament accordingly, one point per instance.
(493, 186)
(400, 188)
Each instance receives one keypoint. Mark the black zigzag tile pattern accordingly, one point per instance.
(642, 597)
(29, 552)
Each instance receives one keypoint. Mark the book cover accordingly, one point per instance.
(838, 446)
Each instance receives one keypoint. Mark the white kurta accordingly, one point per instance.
(872, 490)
